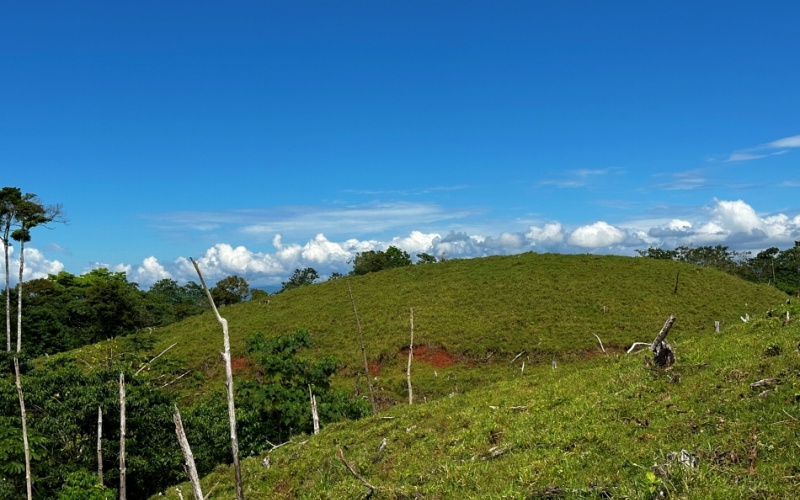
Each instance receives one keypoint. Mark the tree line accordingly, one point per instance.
(780, 268)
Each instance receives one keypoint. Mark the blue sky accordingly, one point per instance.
(260, 137)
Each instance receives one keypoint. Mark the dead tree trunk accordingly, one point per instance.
(122, 464)
(100, 444)
(191, 469)
(410, 355)
(314, 414)
(363, 353)
(24, 430)
(226, 356)
(19, 293)
(663, 356)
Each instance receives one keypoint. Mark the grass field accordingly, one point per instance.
(591, 428)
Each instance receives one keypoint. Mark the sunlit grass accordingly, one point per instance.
(587, 428)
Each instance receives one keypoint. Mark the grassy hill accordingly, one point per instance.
(468, 314)
(483, 426)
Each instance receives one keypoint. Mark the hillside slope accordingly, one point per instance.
(467, 313)
(607, 427)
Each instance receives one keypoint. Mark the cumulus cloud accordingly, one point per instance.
(37, 266)
(599, 234)
(728, 222)
(733, 223)
(548, 235)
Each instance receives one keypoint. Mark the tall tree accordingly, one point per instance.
(301, 277)
(10, 197)
(230, 290)
(30, 213)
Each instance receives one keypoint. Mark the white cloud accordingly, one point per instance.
(786, 142)
(549, 234)
(149, 272)
(727, 222)
(764, 150)
(599, 234)
(37, 266)
(679, 225)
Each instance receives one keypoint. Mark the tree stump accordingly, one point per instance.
(663, 355)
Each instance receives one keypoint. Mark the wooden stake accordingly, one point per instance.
(716, 327)
(24, 430)
(191, 469)
(226, 356)
(363, 353)
(410, 355)
(122, 465)
(100, 444)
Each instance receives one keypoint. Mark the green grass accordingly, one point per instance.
(587, 428)
(491, 308)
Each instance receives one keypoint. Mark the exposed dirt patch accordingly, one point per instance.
(435, 356)
(239, 364)
(374, 368)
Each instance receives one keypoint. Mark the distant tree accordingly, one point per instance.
(257, 294)
(658, 253)
(425, 258)
(230, 290)
(377, 260)
(397, 258)
(301, 277)
(182, 301)
(335, 276)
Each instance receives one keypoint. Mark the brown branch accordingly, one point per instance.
(356, 474)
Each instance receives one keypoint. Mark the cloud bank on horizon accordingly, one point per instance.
(733, 223)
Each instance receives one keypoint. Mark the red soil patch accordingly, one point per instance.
(238, 364)
(374, 368)
(436, 356)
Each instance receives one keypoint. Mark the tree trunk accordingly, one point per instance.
(663, 356)
(8, 296)
(363, 353)
(122, 465)
(410, 355)
(226, 356)
(24, 430)
(191, 469)
(100, 444)
(19, 294)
